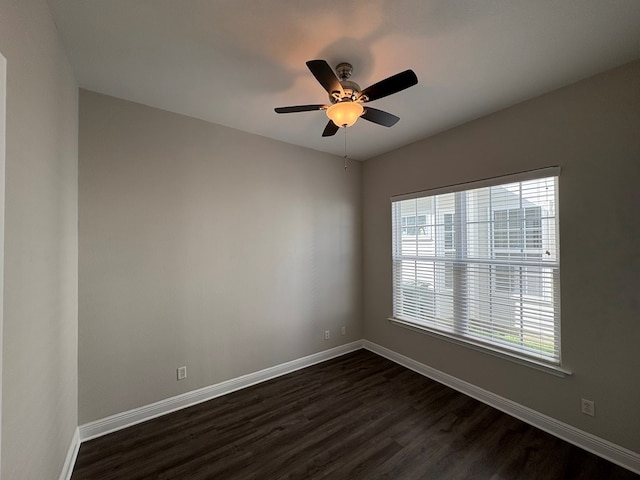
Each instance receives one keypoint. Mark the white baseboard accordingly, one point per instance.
(138, 415)
(72, 454)
(596, 445)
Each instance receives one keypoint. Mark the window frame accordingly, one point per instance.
(530, 232)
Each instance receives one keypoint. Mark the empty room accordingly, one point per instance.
(300, 240)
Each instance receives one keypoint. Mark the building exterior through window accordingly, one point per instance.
(482, 264)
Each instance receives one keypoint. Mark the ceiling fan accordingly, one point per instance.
(346, 97)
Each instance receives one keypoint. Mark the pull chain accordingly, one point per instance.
(345, 148)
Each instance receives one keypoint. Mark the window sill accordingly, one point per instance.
(521, 360)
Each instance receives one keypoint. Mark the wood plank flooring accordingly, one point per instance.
(358, 416)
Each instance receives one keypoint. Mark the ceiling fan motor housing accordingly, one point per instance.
(351, 89)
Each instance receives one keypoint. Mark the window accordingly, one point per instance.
(489, 273)
(414, 225)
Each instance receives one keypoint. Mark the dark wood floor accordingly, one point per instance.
(359, 416)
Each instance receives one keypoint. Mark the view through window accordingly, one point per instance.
(482, 264)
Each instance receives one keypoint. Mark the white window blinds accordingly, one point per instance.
(480, 262)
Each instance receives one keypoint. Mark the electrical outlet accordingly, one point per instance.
(182, 373)
(588, 407)
(344, 330)
(327, 334)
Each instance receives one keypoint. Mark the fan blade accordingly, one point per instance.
(380, 117)
(388, 86)
(324, 74)
(330, 130)
(299, 108)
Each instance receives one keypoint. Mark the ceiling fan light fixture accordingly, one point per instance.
(345, 114)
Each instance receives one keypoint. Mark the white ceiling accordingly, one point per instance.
(232, 61)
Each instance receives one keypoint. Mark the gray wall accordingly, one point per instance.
(39, 404)
(592, 130)
(206, 247)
